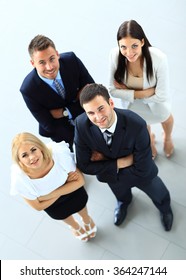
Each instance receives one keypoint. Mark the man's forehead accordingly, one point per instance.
(95, 103)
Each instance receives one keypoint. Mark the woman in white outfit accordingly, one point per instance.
(47, 178)
(138, 75)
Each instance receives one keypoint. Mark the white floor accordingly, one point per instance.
(89, 29)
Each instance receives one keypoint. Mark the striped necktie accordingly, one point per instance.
(108, 137)
(59, 88)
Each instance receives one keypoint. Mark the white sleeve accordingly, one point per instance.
(20, 184)
(161, 75)
(63, 155)
(124, 94)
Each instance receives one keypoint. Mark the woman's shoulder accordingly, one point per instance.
(156, 53)
(17, 171)
(58, 147)
(114, 51)
(19, 180)
(62, 155)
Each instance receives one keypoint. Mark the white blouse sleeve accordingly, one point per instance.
(160, 77)
(20, 184)
(124, 94)
(63, 155)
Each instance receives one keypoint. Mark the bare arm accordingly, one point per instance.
(71, 185)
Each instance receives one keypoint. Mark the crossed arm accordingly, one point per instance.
(121, 162)
(58, 113)
(138, 94)
(74, 181)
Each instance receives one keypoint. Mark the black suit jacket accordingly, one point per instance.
(130, 137)
(40, 97)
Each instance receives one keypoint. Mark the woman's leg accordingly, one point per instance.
(89, 224)
(78, 231)
(152, 139)
(168, 144)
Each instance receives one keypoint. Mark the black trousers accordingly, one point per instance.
(155, 189)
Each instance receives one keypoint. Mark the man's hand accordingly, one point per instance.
(125, 161)
(97, 156)
(57, 113)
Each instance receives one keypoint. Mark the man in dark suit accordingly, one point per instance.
(55, 113)
(124, 162)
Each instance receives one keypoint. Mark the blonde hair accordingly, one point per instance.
(26, 137)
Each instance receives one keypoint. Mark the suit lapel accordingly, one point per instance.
(118, 138)
(98, 138)
(119, 134)
(47, 91)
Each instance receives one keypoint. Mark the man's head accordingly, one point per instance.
(98, 105)
(44, 56)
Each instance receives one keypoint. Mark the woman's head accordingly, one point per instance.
(132, 40)
(28, 151)
(133, 44)
(132, 29)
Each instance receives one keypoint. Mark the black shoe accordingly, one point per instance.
(167, 220)
(120, 214)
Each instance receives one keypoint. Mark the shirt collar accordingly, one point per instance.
(49, 81)
(112, 127)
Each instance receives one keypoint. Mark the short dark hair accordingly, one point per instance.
(90, 91)
(40, 43)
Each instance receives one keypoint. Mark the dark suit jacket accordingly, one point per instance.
(131, 137)
(40, 97)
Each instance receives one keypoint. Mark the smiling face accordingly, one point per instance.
(46, 62)
(30, 156)
(100, 112)
(131, 48)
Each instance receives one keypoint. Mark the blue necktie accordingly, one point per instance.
(59, 88)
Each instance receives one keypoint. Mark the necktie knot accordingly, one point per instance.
(59, 88)
(108, 137)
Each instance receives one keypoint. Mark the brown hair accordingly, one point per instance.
(40, 43)
(90, 91)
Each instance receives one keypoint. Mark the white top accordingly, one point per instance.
(29, 188)
(157, 107)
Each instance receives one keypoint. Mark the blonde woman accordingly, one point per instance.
(47, 178)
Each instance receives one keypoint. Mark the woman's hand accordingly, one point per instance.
(145, 93)
(72, 176)
(120, 85)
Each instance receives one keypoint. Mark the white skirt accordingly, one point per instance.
(152, 113)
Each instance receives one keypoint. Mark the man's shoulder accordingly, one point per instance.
(82, 118)
(83, 122)
(129, 115)
(29, 79)
(67, 55)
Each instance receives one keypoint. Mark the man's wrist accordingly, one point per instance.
(65, 113)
